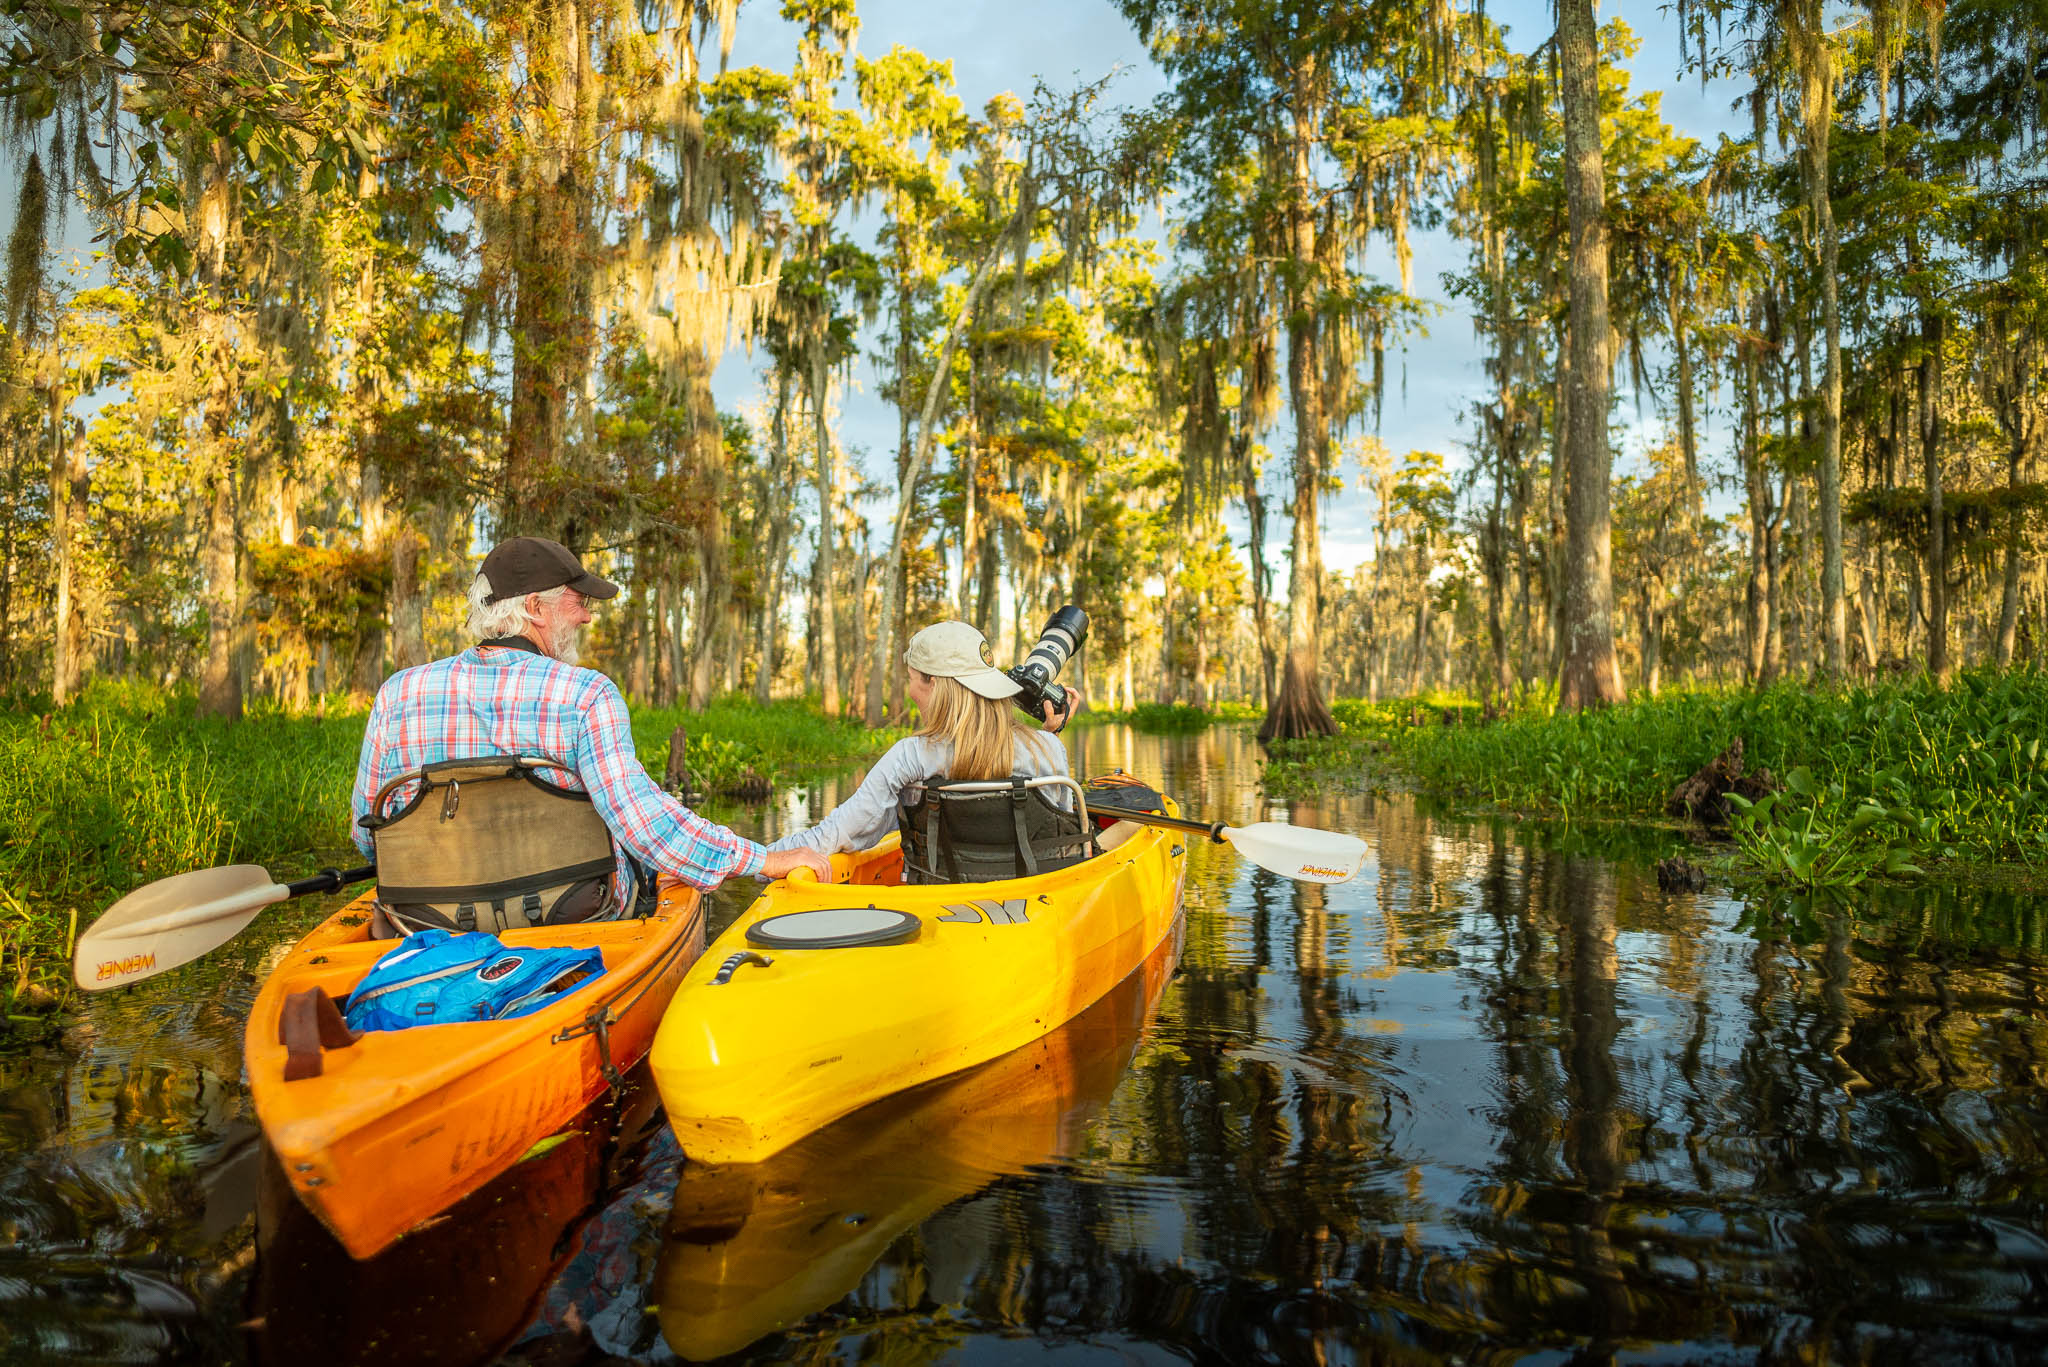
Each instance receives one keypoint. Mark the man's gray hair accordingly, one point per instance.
(507, 617)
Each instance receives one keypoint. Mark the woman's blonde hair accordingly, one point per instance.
(981, 730)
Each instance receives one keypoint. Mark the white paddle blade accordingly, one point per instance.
(1300, 852)
(170, 922)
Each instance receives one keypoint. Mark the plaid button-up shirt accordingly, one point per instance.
(498, 700)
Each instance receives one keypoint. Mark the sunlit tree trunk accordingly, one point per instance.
(220, 678)
(407, 599)
(2009, 595)
(1930, 454)
(822, 586)
(1757, 485)
(1299, 710)
(1591, 676)
(220, 684)
(776, 499)
(552, 264)
(1261, 573)
(707, 452)
(67, 502)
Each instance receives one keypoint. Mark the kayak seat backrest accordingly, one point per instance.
(490, 843)
(983, 831)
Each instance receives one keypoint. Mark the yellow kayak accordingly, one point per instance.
(765, 1043)
(754, 1249)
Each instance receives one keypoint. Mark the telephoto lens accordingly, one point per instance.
(1063, 634)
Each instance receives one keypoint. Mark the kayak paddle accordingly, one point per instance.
(1299, 852)
(177, 919)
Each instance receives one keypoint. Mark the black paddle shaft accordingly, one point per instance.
(330, 880)
(1212, 829)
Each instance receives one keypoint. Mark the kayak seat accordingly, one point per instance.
(987, 830)
(488, 843)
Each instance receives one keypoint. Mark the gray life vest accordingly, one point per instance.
(488, 842)
(956, 836)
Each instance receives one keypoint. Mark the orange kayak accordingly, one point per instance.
(399, 1125)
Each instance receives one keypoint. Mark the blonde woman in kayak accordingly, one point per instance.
(968, 730)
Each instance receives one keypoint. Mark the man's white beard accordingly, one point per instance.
(566, 644)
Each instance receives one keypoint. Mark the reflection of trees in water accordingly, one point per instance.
(1782, 1142)
(1696, 1136)
(1799, 1143)
(1800, 1130)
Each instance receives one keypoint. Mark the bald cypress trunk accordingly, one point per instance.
(1298, 709)
(1590, 675)
(67, 504)
(552, 266)
(1930, 454)
(707, 451)
(821, 571)
(768, 629)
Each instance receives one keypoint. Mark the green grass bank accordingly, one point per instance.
(1875, 776)
(1161, 718)
(128, 785)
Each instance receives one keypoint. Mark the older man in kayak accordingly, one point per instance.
(519, 691)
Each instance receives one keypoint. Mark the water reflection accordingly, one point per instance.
(461, 1288)
(1500, 1098)
(755, 1248)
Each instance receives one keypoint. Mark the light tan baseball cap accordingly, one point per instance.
(955, 650)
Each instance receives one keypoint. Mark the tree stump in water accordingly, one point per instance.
(1680, 875)
(1704, 796)
(751, 786)
(676, 777)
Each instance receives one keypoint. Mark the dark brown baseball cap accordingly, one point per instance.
(534, 564)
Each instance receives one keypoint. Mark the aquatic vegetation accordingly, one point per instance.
(1162, 718)
(1807, 847)
(1956, 771)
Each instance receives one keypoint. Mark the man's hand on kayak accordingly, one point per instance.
(781, 862)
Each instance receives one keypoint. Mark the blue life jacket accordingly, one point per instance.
(436, 977)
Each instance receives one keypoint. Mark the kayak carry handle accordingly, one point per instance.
(735, 962)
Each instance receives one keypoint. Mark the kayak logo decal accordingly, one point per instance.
(121, 968)
(1320, 872)
(1008, 913)
(491, 972)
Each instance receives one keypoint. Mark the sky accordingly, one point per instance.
(1432, 380)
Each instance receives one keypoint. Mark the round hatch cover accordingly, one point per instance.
(834, 928)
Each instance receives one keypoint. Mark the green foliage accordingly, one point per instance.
(1172, 718)
(1169, 717)
(1807, 847)
(313, 594)
(1953, 773)
(733, 737)
(129, 785)
(1341, 763)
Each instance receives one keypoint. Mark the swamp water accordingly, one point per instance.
(1497, 1100)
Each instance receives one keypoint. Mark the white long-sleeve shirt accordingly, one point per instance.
(898, 777)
